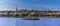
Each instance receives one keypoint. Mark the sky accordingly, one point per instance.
(30, 4)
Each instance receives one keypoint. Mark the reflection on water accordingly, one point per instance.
(20, 22)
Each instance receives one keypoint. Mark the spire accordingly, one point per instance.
(16, 8)
(7, 9)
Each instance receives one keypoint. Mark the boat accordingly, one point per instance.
(31, 18)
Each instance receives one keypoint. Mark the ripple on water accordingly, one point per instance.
(20, 22)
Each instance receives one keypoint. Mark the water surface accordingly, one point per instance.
(19, 22)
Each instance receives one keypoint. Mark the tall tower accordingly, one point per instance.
(16, 8)
(17, 12)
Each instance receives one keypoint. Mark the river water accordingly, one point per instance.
(19, 22)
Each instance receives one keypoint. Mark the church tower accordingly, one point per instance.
(16, 8)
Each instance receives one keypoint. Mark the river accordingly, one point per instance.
(19, 22)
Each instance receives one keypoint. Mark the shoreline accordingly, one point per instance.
(32, 16)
